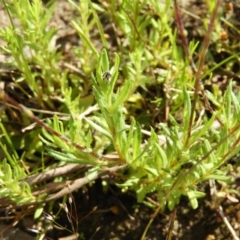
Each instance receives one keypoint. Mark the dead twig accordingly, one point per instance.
(49, 174)
(78, 183)
(225, 220)
(220, 209)
(65, 187)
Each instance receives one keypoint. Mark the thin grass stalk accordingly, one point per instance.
(197, 71)
(198, 74)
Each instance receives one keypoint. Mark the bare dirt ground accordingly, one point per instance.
(118, 215)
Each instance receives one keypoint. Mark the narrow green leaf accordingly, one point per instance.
(212, 98)
(223, 148)
(193, 195)
(104, 61)
(219, 178)
(200, 131)
(207, 147)
(100, 27)
(9, 143)
(143, 190)
(236, 105)
(57, 125)
(38, 212)
(6, 153)
(137, 138)
(122, 95)
(144, 24)
(89, 139)
(173, 121)
(135, 161)
(84, 37)
(115, 73)
(130, 182)
(165, 129)
(45, 141)
(91, 174)
(60, 143)
(233, 153)
(98, 128)
(161, 152)
(7, 172)
(81, 158)
(173, 200)
(192, 198)
(99, 75)
(60, 156)
(152, 171)
(94, 81)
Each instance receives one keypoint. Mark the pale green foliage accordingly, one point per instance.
(156, 167)
(31, 43)
(12, 175)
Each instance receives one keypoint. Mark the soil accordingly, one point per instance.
(99, 213)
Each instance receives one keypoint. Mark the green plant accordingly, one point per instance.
(171, 155)
(11, 173)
